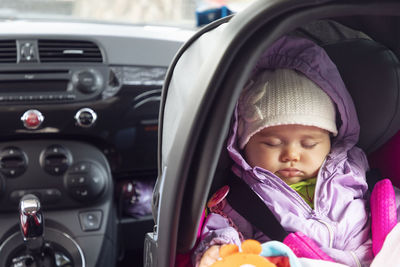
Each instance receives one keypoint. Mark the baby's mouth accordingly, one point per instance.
(289, 173)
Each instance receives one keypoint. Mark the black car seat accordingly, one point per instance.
(371, 73)
(373, 82)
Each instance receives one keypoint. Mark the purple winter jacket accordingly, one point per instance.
(340, 221)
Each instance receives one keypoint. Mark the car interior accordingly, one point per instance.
(360, 41)
(79, 139)
(97, 115)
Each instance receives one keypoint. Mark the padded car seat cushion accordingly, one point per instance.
(386, 159)
(370, 72)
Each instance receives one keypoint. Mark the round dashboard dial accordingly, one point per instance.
(87, 81)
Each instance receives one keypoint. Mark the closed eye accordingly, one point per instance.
(272, 142)
(309, 144)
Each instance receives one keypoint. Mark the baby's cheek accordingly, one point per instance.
(272, 164)
(314, 173)
(315, 166)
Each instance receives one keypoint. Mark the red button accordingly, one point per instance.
(32, 119)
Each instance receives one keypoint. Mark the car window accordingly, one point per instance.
(118, 11)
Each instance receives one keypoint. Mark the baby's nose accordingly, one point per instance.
(290, 154)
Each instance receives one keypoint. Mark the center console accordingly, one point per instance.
(72, 182)
(79, 117)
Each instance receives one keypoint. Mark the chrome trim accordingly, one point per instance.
(79, 112)
(75, 243)
(150, 92)
(55, 230)
(25, 116)
(8, 240)
(149, 122)
(149, 99)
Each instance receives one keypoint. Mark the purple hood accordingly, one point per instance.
(339, 222)
(311, 60)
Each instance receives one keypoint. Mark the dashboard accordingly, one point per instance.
(79, 113)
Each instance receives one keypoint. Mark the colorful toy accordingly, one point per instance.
(250, 255)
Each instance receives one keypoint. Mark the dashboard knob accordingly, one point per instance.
(85, 117)
(13, 162)
(55, 159)
(87, 81)
(32, 119)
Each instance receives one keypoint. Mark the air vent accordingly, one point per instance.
(69, 51)
(8, 51)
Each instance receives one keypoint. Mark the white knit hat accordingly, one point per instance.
(282, 97)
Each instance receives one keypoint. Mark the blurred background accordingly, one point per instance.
(162, 12)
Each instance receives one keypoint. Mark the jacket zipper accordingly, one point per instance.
(317, 184)
(296, 196)
(307, 208)
(355, 258)
(330, 231)
(310, 211)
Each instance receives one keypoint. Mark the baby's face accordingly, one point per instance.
(292, 152)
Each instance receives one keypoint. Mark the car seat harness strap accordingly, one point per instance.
(241, 197)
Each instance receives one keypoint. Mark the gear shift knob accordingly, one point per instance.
(31, 221)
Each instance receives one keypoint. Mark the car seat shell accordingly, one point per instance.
(192, 136)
